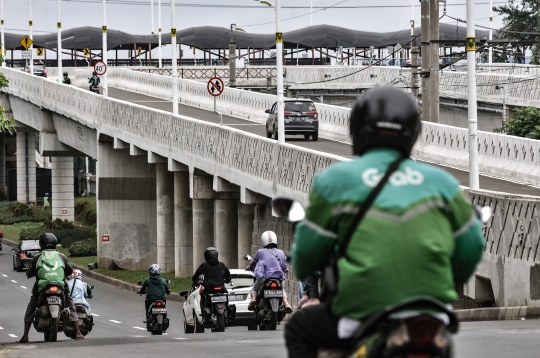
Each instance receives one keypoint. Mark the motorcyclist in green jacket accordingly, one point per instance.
(155, 287)
(94, 80)
(420, 237)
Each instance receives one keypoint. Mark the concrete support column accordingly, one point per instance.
(226, 230)
(25, 194)
(165, 217)
(203, 217)
(2, 165)
(246, 215)
(63, 197)
(183, 226)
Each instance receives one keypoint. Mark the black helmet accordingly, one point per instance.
(65, 74)
(94, 73)
(210, 253)
(384, 117)
(48, 241)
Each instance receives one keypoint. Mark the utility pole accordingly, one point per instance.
(174, 64)
(490, 56)
(232, 59)
(414, 58)
(279, 75)
(474, 181)
(159, 33)
(104, 50)
(152, 14)
(426, 93)
(31, 38)
(433, 115)
(59, 45)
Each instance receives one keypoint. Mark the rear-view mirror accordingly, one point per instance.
(288, 209)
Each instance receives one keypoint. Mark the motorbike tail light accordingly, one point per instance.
(219, 307)
(217, 288)
(423, 330)
(273, 285)
(22, 255)
(53, 289)
(158, 304)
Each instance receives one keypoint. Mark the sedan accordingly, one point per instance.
(238, 289)
(301, 117)
(39, 69)
(24, 253)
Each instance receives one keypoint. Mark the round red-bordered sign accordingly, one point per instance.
(215, 86)
(100, 68)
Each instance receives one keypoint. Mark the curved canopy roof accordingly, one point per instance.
(209, 37)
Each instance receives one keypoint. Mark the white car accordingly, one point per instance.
(238, 289)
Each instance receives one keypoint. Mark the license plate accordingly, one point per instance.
(81, 315)
(236, 297)
(53, 299)
(273, 293)
(308, 120)
(159, 310)
(218, 299)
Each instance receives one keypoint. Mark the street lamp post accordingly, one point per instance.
(152, 14)
(472, 110)
(31, 38)
(174, 64)
(104, 50)
(59, 41)
(490, 56)
(279, 68)
(159, 33)
(2, 26)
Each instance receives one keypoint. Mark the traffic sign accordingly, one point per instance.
(105, 238)
(26, 42)
(100, 67)
(27, 55)
(86, 51)
(215, 86)
(39, 51)
(139, 51)
(64, 211)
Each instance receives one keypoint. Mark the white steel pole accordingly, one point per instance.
(31, 38)
(490, 60)
(152, 14)
(159, 33)
(104, 50)
(59, 41)
(173, 57)
(279, 67)
(2, 26)
(471, 79)
(311, 13)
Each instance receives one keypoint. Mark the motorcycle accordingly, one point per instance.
(270, 309)
(421, 327)
(52, 315)
(94, 88)
(86, 321)
(157, 322)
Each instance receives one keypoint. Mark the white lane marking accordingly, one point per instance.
(1, 327)
(13, 281)
(143, 329)
(248, 341)
(138, 336)
(112, 320)
(179, 338)
(12, 335)
(95, 315)
(4, 275)
(165, 334)
(23, 287)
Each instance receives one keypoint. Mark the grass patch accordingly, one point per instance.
(85, 211)
(81, 261)
(12, 232)
(176, 285)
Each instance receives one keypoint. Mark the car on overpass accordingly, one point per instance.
(239, 288)
(24, 253)
(301, 117)
(39, 69)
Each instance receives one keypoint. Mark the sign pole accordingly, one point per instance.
(59, 45)
(474, 181)
(2, 26)
(174, 64)
(279, 63)
(159, 33)
(104, 51)
(32, 45)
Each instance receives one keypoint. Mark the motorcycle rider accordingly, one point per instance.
(79, 290)
(215, 274)
(154, 286)
(66, 79)
(94, 80)
(52, 258)
(269, 262)
(420, 237)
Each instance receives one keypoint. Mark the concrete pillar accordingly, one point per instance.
(2, 165)
(165, 217)
(183, 226)
(226, 231)
(203, 217)
(22, 150)
(62, 196)
(246, 216)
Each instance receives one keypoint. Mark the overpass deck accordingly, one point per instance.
(323, 145)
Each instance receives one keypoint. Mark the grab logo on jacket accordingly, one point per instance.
(372, 176)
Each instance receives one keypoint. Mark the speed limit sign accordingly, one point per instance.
(100, 67)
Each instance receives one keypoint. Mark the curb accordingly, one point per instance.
(498, 314)
(175, 297)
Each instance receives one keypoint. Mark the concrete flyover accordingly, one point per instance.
(173, 184)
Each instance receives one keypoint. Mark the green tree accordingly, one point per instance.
(521, 16)
(525, 123)
(7, 124)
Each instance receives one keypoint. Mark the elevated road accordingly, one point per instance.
(323, 145)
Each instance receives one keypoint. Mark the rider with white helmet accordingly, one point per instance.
(269, 262)
(79, 290)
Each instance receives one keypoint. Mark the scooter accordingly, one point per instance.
(157, 322)
(52, 315)
(86, 321)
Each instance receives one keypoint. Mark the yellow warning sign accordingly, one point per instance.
(173, 32)
(279, 37)
(86, 51)
(26, 42)
(139, 51)
(39, 51)
(103, 28)
(471, 43)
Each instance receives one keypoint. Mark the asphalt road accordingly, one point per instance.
(323, 145)
(117, 331)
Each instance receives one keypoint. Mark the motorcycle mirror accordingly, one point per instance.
(289, 209)
(247, 257)
(139, 283)
(184, 293)
(483, 213)
(168, 282)
(91, 287)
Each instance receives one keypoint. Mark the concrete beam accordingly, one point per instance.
(175, 166)
(154, 158)
(120, 144)
(250, 197)
(201, 186)
(136, 151)
(25, 112)
(50, 146)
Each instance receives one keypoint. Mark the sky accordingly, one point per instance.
(134, 16)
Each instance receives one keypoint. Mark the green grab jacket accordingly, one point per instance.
(419, 238)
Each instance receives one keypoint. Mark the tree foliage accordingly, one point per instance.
(521, 16)
(7, 124)
(526, 123)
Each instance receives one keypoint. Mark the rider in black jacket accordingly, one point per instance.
(215, 273)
